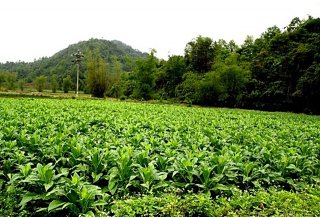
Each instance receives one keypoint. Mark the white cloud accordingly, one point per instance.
(35, 28)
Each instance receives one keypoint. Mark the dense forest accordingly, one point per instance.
(279, 71)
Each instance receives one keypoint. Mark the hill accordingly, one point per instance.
(61, 62)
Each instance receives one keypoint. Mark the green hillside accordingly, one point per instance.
(61, 62)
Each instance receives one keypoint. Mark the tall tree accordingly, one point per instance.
(21, 83)
(282, 63)
(199, 54)
(308, 90)
(54, 83)
(113, 78)
(174, 69)
(144, 77)
(247, 51)
(40, 83)
(2, 78)
(189, 89)
(11, 78)
(233, 77)
(96, 73)
(66, 83)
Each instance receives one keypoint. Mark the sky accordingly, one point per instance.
(37, 28)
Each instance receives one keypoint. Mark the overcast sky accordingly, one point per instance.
(36, 28)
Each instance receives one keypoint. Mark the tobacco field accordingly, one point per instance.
(69, 157)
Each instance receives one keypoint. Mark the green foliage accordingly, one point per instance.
(222, 86)
(170, 75)
(277, 71)
(7, 80)
(127, 84)
(21, 84)
(2, 78)
(10, 80)
(233, 77)
(61, 63)
(189, 89)
(199, 54)
(66, 84)
(144, 77)
(54, 83)
(308, 88)
(279, 62)
(212, 90)
(96, 73)
(166, 205)
(113, 158)
(114, 88)
(274, 203)
(40, 83)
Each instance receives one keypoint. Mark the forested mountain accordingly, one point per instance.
(61, 63)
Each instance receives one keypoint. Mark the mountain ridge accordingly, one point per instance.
(60, 63)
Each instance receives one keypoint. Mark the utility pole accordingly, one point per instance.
(78, 57)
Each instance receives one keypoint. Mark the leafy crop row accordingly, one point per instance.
(74, 157)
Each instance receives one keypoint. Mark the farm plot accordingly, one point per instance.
(102, 158)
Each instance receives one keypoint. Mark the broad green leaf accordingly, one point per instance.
(48, 186)
(55, 204)
(221, 187)
(100, 203)
(26, 198)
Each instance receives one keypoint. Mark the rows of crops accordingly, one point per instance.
(103, 158)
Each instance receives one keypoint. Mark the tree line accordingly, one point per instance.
(280, 71)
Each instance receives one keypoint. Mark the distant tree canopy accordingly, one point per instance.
(96, 73)
(66, 84)
(40, 83)
(282, 63)
(21, 84)
(8, 80)
(54, 83)
(280, 70)
(144, 77)
(199, 54)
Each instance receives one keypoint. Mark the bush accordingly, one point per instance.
(165, 205)
(123, 97)
(66, 84)
(260, 203)
(40, 83)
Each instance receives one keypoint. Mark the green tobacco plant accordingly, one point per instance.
(77, 196)
(151, 179)
(184, 171)
(209, 181)
(98, 163)
(87, 157)
(120, 177)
